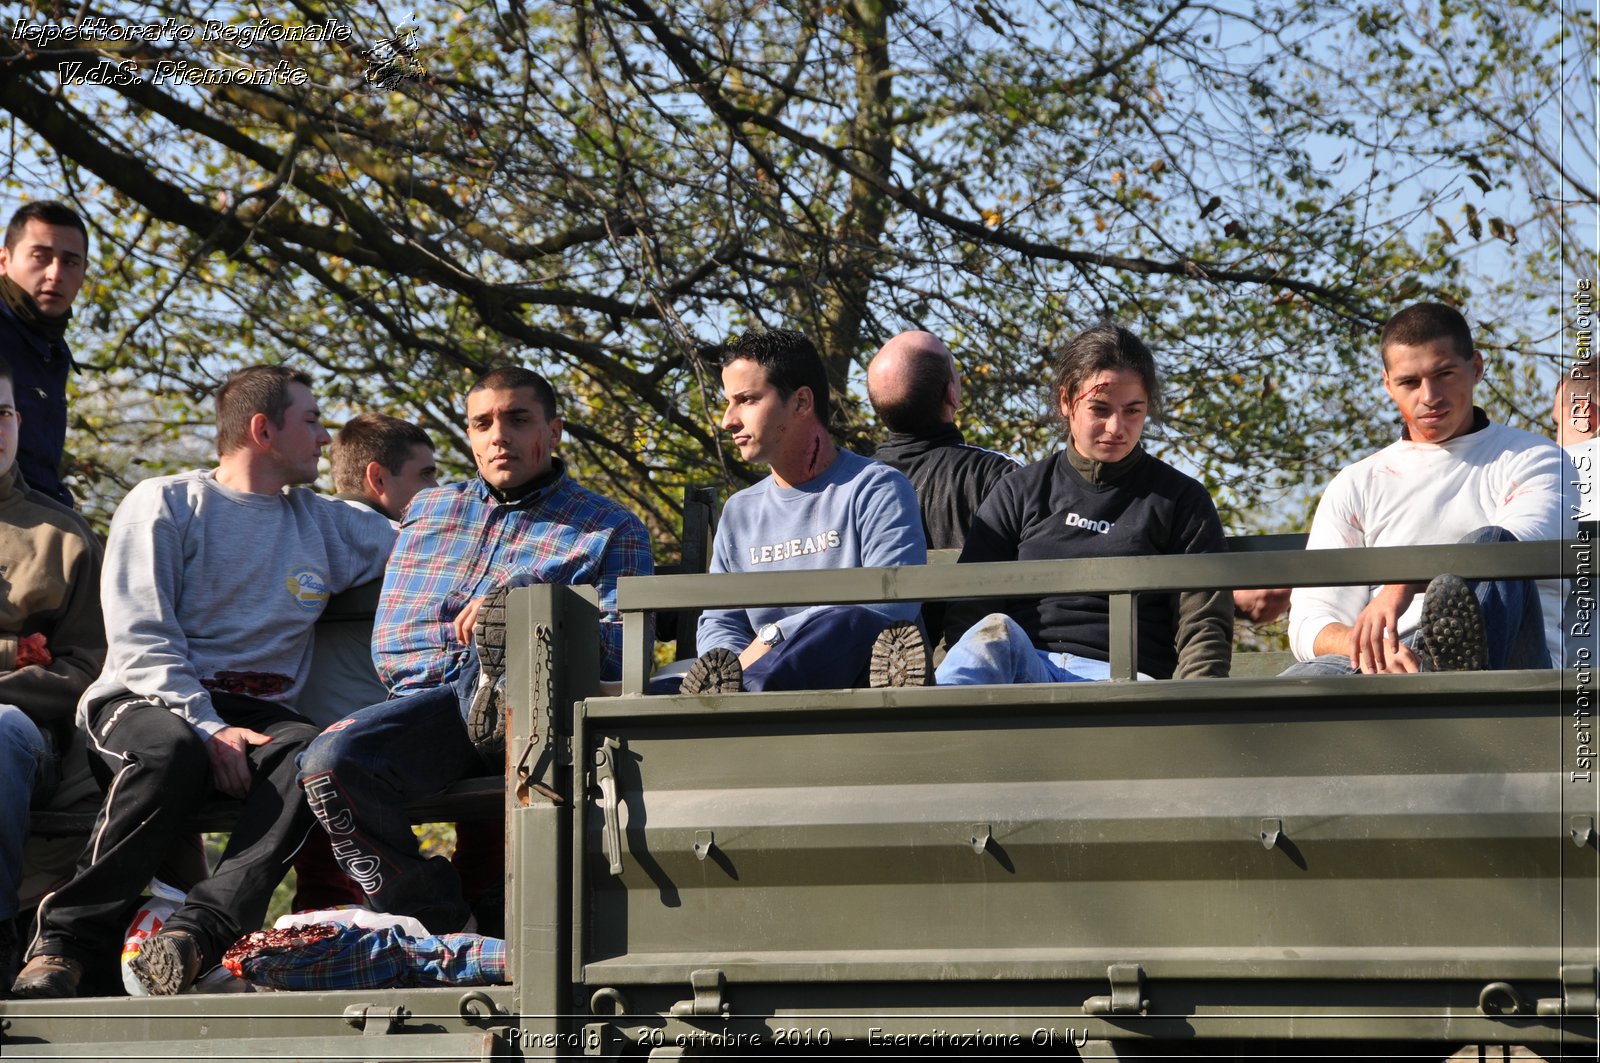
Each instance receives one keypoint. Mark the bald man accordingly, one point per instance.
(916, 391)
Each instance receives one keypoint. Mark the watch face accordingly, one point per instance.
(770, 634)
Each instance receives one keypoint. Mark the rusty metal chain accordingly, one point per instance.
(544, 680)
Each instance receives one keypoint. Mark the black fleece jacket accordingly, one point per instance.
(951, 479)
(1068, 506)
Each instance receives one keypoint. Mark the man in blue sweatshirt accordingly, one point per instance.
(822, 508)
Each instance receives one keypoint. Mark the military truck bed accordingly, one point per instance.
(1370, 866)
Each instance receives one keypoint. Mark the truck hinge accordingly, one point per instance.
(374, 1020)
(1127, 992)
(1271, 833)
(1577, 994)
(605, 777)
(707, 1003)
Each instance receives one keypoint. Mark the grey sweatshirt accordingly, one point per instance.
(207, 588)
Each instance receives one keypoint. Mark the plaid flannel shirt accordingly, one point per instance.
(458, 542)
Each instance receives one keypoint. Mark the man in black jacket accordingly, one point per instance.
(916, 391)
(914, 387)
(41, 271)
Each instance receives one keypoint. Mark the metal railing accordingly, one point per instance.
(1122, 578)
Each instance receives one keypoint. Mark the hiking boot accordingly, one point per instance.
(167, 964)
(713, 672)
(49, 977)
(900, 657)
(486, 717)
(1452, 626)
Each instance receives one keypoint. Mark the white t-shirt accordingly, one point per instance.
(1420, 494)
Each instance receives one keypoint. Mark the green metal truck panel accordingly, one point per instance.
(1375, 865)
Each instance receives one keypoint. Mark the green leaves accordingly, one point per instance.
(600, 189)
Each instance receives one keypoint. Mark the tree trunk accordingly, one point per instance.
(861, 227)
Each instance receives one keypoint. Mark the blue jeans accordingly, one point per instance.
(22, 754)
(360, 774)
(1513, 624)
(996, 650)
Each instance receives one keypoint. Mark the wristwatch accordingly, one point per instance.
(771, 634)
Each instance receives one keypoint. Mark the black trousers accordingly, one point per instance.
(157, 773)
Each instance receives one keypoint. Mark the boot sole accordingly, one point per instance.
(1452, 626)
(900, 657)
(714, 672)
(164, 966)
(486, 717)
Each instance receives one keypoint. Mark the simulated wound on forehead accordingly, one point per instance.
(1093, 389)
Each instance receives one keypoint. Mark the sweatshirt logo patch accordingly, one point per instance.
(812, 544)
(308, 586)
(1101, 526)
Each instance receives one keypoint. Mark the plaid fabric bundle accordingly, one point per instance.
(324, 956)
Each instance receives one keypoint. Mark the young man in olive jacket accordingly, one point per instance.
(52, 644)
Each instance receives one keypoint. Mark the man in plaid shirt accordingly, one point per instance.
(439, 639)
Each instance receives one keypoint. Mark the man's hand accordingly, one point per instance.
(753, 653)
(1375, 636)
(230, 766)
(1261, 606)
(1402, 658)
(467, 621)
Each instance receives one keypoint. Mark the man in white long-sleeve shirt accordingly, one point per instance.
(212, 583)
(1452, 477)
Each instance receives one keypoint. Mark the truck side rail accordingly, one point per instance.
(1122, 578)
(1374, 859)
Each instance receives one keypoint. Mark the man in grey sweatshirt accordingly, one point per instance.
(213, 580)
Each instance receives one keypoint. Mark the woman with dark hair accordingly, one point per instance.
(1102, 495)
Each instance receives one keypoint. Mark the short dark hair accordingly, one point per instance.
(368, 438)
(791, 362)
(5, 369)
(48, 212)
(1106, 345)
(1422, 323)
(254, 389)
(512, 377)
(918, 404)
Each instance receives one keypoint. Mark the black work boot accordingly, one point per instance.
(1452, 626)
(486, 717)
